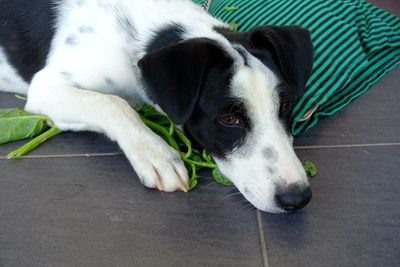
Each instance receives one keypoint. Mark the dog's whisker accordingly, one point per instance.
(246, 207)
(227, 190)
(231, 195)
(207, 185)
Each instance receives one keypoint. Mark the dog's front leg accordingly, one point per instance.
(156, 163)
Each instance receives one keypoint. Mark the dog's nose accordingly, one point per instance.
(293, 197)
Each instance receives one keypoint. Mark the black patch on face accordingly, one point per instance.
(27, 28)
(216, 101)
(168, 35)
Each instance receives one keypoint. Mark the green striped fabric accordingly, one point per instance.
(200, 2)
(355, 44)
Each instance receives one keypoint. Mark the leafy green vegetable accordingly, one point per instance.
(17, 124)
(310, 168)
(230, 8)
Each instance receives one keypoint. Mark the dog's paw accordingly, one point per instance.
(160, 166)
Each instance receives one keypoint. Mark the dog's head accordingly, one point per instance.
(235, 98)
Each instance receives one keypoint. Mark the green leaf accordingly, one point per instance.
(234, 26)
(17, 124)
(310, 168)
(196, 157)
(220, 178)
(230, 8)
(13, 112)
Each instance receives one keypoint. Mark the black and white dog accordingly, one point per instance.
(85, 62)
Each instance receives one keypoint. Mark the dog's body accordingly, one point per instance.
(84, 62)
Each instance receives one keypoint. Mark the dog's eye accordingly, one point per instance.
(285, 107)
(230, 120)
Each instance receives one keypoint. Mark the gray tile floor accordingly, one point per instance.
(76, 202)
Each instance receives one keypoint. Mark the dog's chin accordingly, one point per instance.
(266, 204)
(267, 208)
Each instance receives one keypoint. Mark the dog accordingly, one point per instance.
(84, 63)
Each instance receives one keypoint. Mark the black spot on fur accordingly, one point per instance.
(85, 29)
(80, 2)
(70, 79)
(270, 153)
(271, 170)
(6, 79)
(26, 30)
(168, 35)
(66, 75)
(109, 81)
(71, 40)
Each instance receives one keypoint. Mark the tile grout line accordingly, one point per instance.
(87, 155)
(120, 153)
(262, 239)
(346, 146)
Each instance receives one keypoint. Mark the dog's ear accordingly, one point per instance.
(174, 74)
(291, 49)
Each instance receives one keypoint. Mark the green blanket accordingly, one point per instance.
(355, 44)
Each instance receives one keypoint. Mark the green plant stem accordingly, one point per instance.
(186, 141)
(202, 164)
(20, 97)
(35, 142)
(161, 130)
